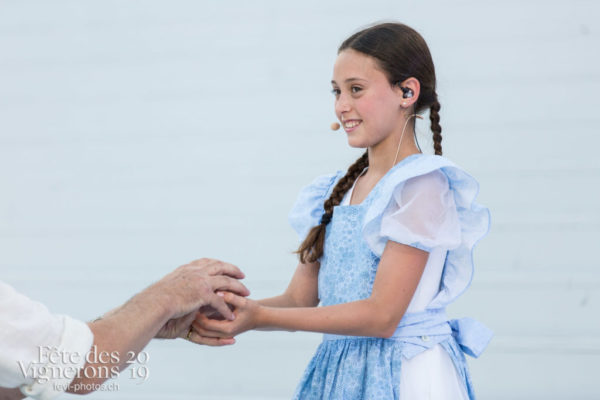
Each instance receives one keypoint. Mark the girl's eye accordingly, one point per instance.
(353, 89)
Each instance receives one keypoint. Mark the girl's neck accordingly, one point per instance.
(382, 155)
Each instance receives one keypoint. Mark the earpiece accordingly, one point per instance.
(407, 92)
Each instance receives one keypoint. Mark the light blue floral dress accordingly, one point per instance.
(351, 367)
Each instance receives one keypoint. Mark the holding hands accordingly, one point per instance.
(211, 328)
(193, 287)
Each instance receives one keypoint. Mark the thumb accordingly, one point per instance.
(217, 302)
(188, 319)
(184, 323)
(234, 299)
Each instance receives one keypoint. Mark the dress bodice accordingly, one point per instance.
(348, 266)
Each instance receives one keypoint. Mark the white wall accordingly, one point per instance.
(137, 136)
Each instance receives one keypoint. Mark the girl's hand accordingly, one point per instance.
(245, 311)
(212, 313)
(194, 337)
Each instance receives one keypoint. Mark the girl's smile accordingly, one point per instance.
(351, 124)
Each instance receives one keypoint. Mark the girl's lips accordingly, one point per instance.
(348, 130)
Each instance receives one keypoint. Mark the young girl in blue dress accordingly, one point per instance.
(386, 245)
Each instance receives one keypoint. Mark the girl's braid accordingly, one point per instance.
(434, 116)
(311, 248)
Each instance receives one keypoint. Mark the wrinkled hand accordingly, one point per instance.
(206, 327)
(176, 327)
(193, 286)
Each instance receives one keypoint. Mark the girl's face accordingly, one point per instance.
(367, 106)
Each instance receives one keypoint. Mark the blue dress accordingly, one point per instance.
(352, 367)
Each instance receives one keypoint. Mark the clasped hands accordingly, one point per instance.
(210, 328)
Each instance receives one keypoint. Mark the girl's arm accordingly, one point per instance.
(302, 290)
(398, 274)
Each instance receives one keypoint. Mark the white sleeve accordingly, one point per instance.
(423, 214)
(29, 334)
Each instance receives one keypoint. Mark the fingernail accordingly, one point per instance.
(232, 317)
(220, 294)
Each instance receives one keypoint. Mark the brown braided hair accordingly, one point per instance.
(311, 248)
(434, 116)
(401, 53)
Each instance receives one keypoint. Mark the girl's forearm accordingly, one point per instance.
(276, 302)
(282, 300)
(357, 318)
(287, 299)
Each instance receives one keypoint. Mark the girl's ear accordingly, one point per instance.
(409, 89)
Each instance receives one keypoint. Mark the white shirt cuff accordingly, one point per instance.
(77, 340)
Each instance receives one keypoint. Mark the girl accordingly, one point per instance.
(387, 244)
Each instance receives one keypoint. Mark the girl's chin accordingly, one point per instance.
(357, 143)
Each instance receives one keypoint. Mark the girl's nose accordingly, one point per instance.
(342, 105)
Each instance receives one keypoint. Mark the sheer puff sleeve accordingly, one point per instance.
(429, 202)
(422, 214)
(308, 208)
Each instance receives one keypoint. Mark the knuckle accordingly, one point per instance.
(182, 267)
(204, 283)
(200, 262)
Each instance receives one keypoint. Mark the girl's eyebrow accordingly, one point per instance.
(349, 80)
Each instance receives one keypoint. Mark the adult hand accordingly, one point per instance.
(192, 286)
